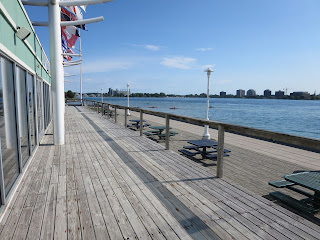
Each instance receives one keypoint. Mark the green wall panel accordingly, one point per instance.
(15, 45)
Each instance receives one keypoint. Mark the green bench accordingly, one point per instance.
(163, 135)
(186, 152)
(281, 183)
(215, 156)
(302, 205)
(191, 147)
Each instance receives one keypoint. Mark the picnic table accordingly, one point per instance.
(159, 128)
(158, 131)
(309, 180)
(136, 123)
(204, 144)
(200, 147)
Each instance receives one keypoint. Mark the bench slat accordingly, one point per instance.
(186, 152)
(294, 203)
(281, 183)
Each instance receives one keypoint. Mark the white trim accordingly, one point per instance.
(36, 3)
(34, 32)
(7, 52)
(8, 17)
(14, 25)
(35, 55)
(14, 58)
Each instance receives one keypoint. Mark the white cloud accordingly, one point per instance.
(203, 49)
(207, 66)
(179, 62)
(106, 65)
(148, 47)
(223, 82)
(152, 47)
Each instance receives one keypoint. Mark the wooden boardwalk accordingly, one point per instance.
(255, 162)
(106, 182)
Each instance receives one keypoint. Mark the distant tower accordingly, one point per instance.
(279, 94)
(267, 93)
(251, 93)
(240, 93)
(223, 94)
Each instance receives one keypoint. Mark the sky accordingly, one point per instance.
(165, 46)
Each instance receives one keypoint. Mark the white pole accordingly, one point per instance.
(206, 135)
(102, 95)
(57, 79)
(80, 67)
(128, 113)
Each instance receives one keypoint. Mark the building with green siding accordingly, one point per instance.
(25, 93)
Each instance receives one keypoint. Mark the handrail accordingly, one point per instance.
(287, 139)
(297, 141)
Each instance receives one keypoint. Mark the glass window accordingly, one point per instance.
(8, 124)
(40, 109)
(22, 113)
(31, 108)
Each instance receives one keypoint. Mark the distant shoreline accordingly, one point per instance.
(216, 96)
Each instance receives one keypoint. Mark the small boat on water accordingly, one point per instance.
(173, 108)
(211, 107)
(152, 107)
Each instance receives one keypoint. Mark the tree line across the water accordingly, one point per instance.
(70, 94)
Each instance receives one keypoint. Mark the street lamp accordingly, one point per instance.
(102, 95)
(206, 135)
(128, 93)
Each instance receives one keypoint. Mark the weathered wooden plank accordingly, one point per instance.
(74, 231)
(47, 231)
(23, 224)
(37, 218)
(87, 229)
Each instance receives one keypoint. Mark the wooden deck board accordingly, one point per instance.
(108, 183)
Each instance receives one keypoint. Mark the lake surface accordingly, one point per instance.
(296, 117)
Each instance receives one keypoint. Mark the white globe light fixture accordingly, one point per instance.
(206, 135)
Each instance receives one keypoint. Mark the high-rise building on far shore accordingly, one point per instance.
(305, 95)
(267, 93)
(251, 93)
(223, 94)
(240, 93)
(279, 94)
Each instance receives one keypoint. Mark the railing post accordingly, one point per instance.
(125, 118)
(115, 114)
(102, 109)
(220, 151)
(141, 122)
(167, 131)
(108, 110)
(98, 104)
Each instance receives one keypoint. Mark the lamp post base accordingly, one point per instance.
(206, 135)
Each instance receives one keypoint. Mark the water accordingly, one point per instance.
(296, 117)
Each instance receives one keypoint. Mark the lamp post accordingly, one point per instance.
(101, 95)
(128, 93)
(206, 134)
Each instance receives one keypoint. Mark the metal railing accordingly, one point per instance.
(281, 138)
